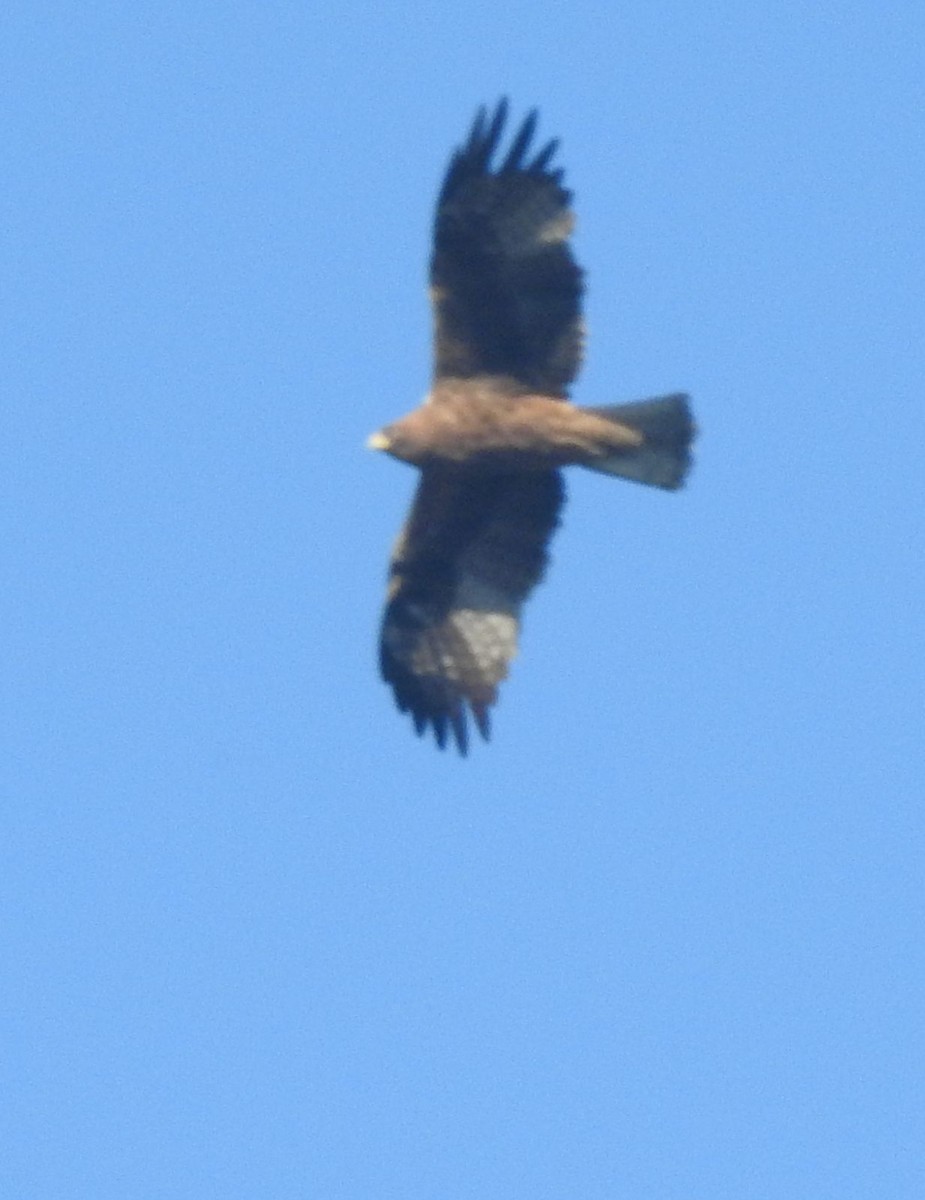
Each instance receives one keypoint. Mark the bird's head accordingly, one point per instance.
(395, 440)
(379, 440)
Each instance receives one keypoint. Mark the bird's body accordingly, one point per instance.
(495, 430)
(494, 425)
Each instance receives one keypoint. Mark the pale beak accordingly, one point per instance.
(377, 441)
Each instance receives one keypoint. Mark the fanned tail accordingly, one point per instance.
(667, 428)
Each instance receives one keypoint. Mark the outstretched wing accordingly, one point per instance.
(473, 548)
(505, 288)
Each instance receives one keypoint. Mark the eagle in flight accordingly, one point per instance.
(497, 427)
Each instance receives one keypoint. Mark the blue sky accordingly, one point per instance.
(663, 937)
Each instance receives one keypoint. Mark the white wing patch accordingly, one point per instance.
(495, 642)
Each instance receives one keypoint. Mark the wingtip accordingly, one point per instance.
(482, 715)
(485, 136)
(451, 727)
(457, 719)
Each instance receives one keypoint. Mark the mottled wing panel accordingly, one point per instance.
(472, 550)
(505, 288)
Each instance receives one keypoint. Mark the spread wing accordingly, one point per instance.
(505, 289)
(473, 548)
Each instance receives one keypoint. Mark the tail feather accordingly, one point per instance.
(667, 427)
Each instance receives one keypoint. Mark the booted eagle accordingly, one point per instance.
(496, 428)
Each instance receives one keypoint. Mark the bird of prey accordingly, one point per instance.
(497, 427)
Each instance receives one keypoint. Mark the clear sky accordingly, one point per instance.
(663, 938)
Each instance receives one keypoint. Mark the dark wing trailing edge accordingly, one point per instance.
(505, 287)
(472, 550)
